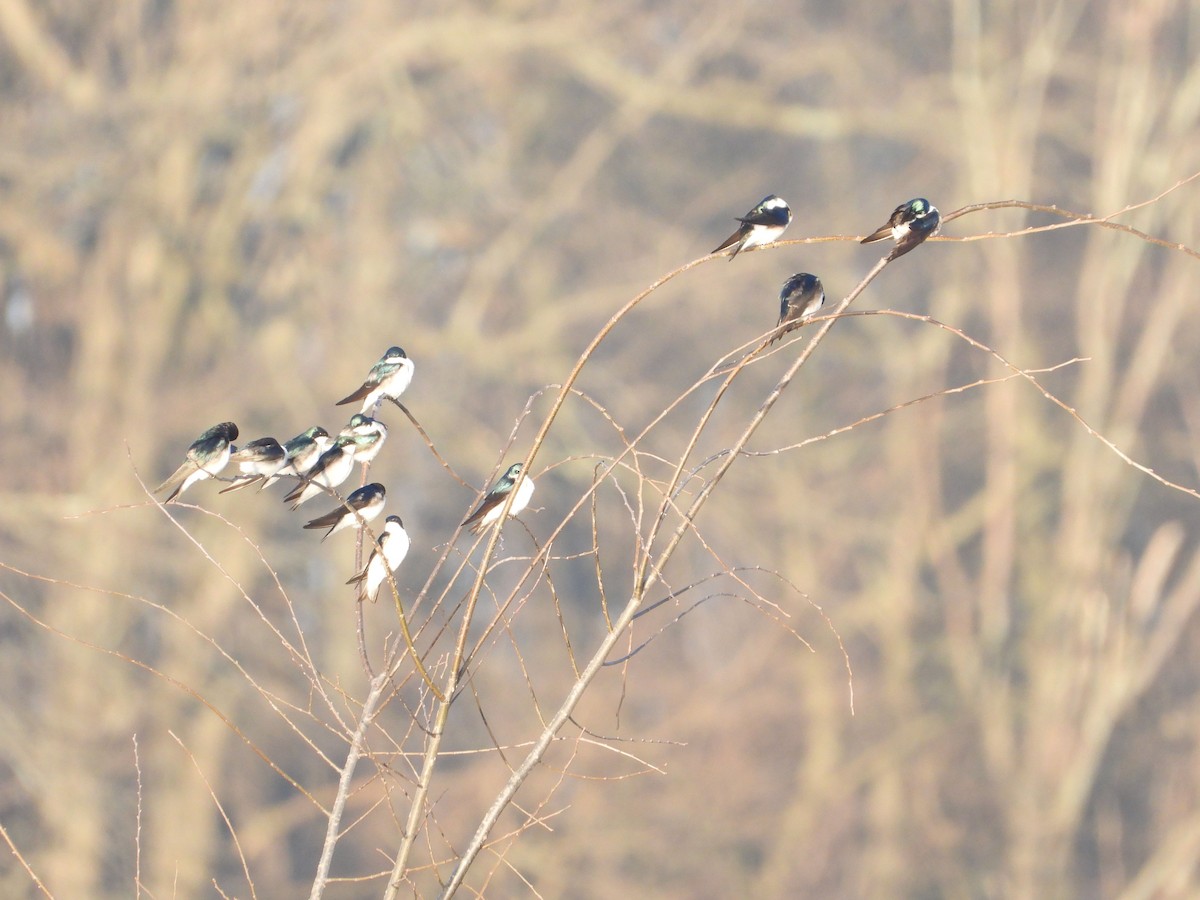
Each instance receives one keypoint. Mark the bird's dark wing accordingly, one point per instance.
(238, 485)
(736, 238)
(884, 231)
(490, 502)
(365, 389)
(329, 520)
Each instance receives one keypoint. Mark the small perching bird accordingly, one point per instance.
(765, 223)
(909, 224)
(488, 510)
(369, 435)
(390, 377)
(802, 296)
(367, 501)
(304, 450)
(257, 461)
(331, 469)
(206, 457)
(390, 550)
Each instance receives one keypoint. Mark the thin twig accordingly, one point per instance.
(237, 844)
(24, 863)
(353, 754)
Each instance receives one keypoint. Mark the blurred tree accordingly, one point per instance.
(228, 211)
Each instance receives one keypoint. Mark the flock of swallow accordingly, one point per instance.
(803, 295)
(320, 463)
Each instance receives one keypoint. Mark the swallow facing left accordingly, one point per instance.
(258, 461)
(304, 450)
(908, 225)
(389, 552)
(488, 510)
(367, 501)
(369, 435)
(206, 457)
(329, 471)
(765, 223)
(801, 297)
(388, 378)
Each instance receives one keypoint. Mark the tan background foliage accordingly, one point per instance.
(228, 210)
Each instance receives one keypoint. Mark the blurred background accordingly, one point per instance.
(230, 210)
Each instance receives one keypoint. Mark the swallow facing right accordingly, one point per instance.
(802, 296)
(367, 501)
(389, 552)
(206, 457)
(908, 225)
(329, 471)
(765, 223)
(390, 377)
(488, 510)
(369, 435)
(304, 450)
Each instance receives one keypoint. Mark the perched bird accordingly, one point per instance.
(359, 424)
(257, 461)
(367, 501)
(765, 223)
(369, 435)
(304, 450)
(206, 457)
(330, 470)
(390, 377)
(802, 296)
(488, 510)
(909, 224)
(389, 552)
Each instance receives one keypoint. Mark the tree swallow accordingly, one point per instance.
(488, 510)
(367, 501)
(331, 469)
(257, 461)
(389, 552)
(765, 223)
(206, 457)
(390, 377)
(305, 449)
(801, 297)
(909, 224)
(369, 435)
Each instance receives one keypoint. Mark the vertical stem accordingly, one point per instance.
(370, 707)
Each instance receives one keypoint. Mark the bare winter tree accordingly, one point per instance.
(901, 603)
